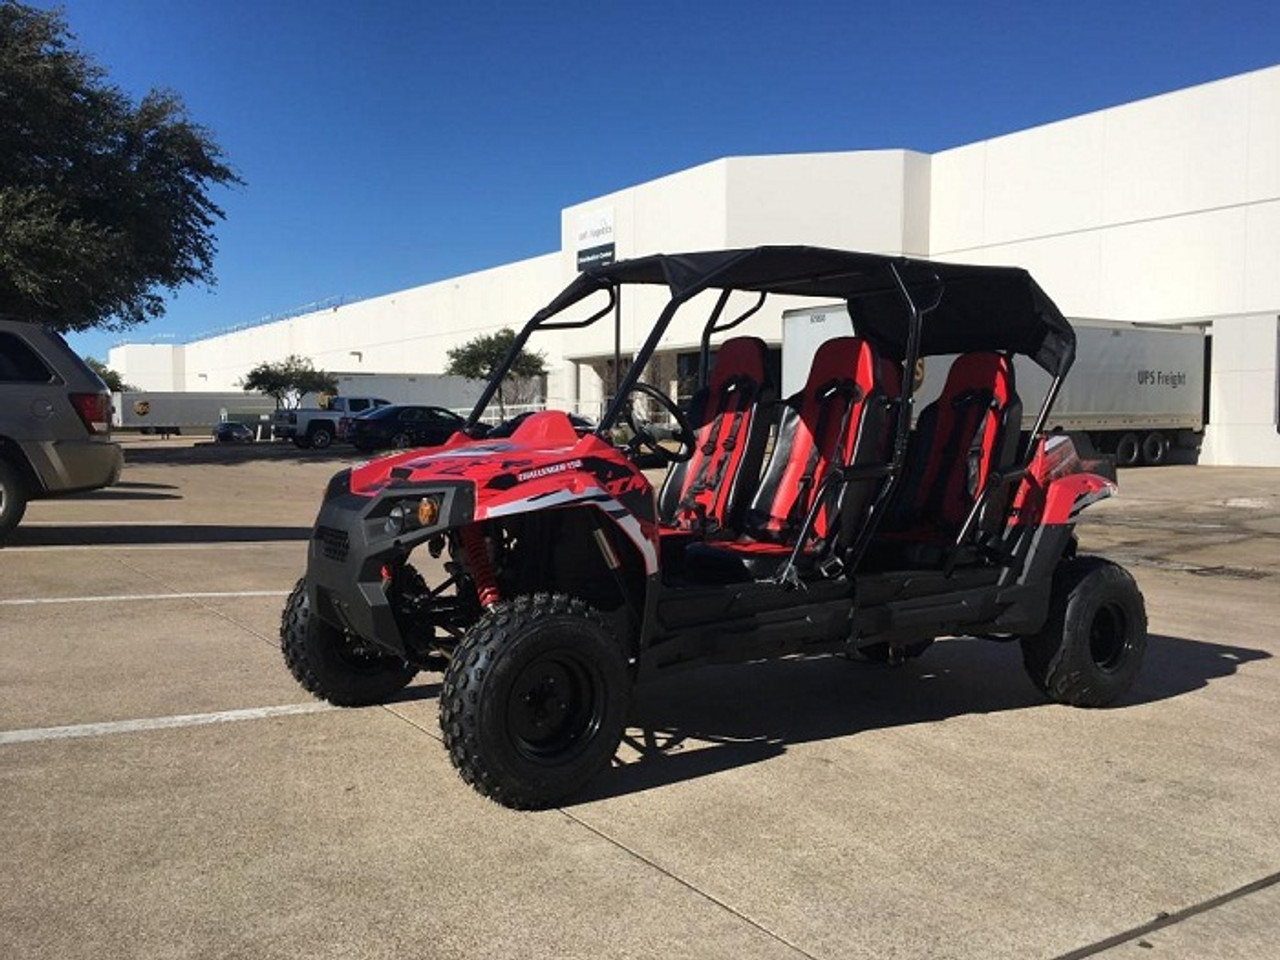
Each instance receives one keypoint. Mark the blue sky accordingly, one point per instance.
(389, 144)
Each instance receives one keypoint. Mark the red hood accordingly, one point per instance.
(543, 451)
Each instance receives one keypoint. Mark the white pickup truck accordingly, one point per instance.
(318, 427)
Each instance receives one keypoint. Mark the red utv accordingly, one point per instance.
(837, 520)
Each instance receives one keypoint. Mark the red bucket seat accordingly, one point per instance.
(706, 493)
(836, 421)
(963, 439)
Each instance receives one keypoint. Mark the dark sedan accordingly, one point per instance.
(401, 425)
(229, 431)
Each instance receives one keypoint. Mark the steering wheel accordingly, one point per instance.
(642, 438)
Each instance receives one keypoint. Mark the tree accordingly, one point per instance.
(287, 381)
(104, 203)
(115, 383)
(478, 358)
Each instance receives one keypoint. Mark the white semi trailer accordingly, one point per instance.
(180, 412)
(1135, 389)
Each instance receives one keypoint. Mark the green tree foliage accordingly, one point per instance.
(287, 381)
(478, 358)
(115, 383)
(104, 203)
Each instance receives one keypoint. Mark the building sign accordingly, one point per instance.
(595, 238)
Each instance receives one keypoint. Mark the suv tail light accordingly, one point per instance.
(94, 410)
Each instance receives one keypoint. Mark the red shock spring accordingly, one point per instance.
(479, 565)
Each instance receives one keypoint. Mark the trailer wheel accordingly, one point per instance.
(1128, 449)
(334, 665)
(1155, 448)
(1090, 649)
(534, 700)
(13, 497)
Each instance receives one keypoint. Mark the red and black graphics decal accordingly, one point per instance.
(641, 533)
(606, 472)
(523, 471)
(507, 473)
(1058, 485)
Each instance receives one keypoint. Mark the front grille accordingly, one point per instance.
(334, 544)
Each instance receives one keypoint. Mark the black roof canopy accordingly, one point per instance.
(977, 307)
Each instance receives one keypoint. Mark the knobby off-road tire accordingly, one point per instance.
(13, 498)
(535, 700)
(335, 665)
(1090, 650)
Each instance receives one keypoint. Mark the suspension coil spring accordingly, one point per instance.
(479, 565)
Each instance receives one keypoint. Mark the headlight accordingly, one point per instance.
(412, 514)
(396, 519)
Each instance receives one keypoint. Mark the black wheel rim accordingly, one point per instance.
(555, 707)
(355, 653)
(1108, 637)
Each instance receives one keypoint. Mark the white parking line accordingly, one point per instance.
(15, 548)
(40, 734)
(102, 523)
(120, 598)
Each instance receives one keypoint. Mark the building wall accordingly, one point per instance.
(1164, 210)
(151, 366)
(404, 332)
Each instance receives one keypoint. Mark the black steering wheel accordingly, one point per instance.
(642, 437)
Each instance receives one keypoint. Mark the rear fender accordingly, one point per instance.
(1058, 484)
(1069, 495)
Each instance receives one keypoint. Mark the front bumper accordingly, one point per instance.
(350, 548)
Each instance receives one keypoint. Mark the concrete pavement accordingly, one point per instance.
(821, 809)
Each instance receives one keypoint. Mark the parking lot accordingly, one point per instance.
(167, 790)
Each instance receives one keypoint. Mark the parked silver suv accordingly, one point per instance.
(55, 421)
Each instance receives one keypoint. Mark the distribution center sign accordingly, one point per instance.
(595, 238)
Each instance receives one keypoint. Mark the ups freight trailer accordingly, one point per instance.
(1137, 390)
(192, 413)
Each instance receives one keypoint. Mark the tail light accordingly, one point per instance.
(94, 410)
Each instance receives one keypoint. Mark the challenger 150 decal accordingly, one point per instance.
(548, 470)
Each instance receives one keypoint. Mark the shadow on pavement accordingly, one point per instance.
(119, 492)
(229, 454)
(719, 718)
(130, 534)
(410, 694)
(1175, 666)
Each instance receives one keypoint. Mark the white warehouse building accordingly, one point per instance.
(1166, 210)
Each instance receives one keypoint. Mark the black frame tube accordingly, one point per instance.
(539, 322)
(710, 328)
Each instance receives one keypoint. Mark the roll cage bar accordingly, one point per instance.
(907, 308)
